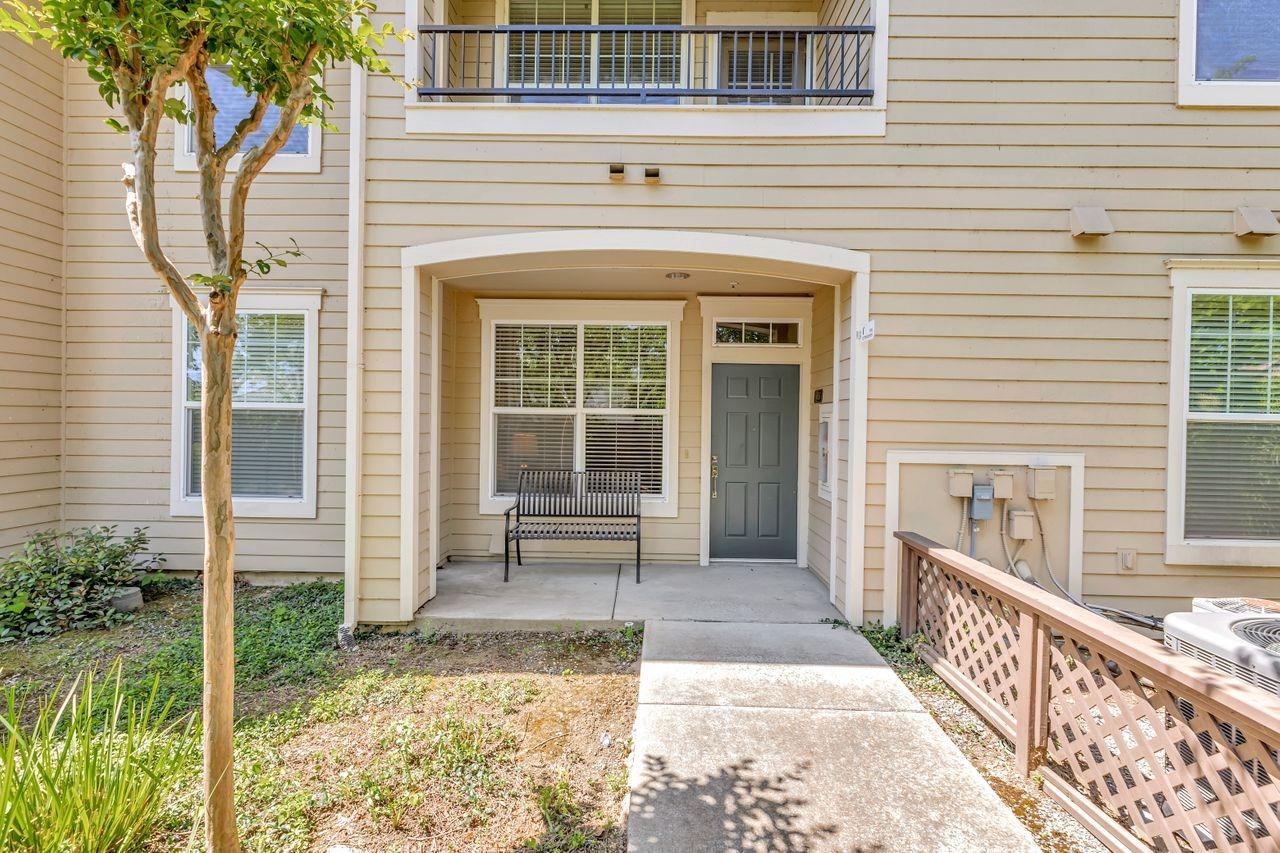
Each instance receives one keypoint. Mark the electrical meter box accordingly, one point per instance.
(1002, 483)
(980, 508)
(1041, 483)
(1022, 524)
(960, 482)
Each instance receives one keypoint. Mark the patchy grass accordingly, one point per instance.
(1054, 830)
(442, 742)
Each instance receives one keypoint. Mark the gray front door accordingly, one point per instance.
(754, 452)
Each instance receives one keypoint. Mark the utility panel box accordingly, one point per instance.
(1002, 483)
(960, 483)
(1042, 483)
(980, 508)
(1021, 525)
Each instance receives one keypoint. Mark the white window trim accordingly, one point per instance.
(293, 300)
(1214, 93)
(607, 311)
(1188, 277)
(738, 122)
(826, 415)
(185, 160)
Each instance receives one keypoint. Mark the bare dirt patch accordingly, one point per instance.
(407, 743)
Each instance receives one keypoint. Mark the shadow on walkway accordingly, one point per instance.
(734, 808)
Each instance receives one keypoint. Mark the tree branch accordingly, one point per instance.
(246, 126)
(144, 111)
(256, 159)
(212, 168)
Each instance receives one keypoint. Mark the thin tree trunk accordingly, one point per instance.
(217, 348)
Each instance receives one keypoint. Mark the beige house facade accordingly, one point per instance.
(1007, 244)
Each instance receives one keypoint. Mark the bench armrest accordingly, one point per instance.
(507, 515)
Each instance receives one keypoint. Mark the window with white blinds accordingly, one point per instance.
(1232, 453)
(620, 60)
(583, 395)
(273, 400)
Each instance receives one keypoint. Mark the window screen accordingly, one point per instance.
(1233, 418)
(1238, 40)
(233, 105)
(268, 421)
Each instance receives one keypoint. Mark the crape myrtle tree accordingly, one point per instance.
(150, 60)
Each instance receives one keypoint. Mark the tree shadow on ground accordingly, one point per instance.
(735, 808)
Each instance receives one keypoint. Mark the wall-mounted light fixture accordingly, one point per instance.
(1087, 221)
(1256, 222)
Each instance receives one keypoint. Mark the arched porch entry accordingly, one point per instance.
(635, 270)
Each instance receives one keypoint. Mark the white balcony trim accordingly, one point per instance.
(651, 120)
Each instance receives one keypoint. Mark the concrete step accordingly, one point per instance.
(785, 737)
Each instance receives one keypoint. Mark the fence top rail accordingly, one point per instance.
(863, 29)
(1216, 691)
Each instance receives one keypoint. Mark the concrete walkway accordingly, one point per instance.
(795, 737)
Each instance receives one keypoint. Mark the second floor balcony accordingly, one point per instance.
(649, 64)
(657, 68)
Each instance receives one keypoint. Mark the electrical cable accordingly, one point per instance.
(964, 522)
(1154, 623)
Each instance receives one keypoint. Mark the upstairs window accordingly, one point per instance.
(609, 60)
(300, 153)
(1229, 53)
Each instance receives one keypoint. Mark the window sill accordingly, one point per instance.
(259, 508)
(1225, 553)
(1229, 95)
(655, 120)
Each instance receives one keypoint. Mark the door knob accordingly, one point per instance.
(715, 476)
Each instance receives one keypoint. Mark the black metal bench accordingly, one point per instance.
(556, 500)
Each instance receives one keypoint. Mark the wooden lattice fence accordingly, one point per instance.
(1147, 748)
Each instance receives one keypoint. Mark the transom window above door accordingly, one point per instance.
(591, 386)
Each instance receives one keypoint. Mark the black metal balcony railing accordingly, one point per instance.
(648, 64)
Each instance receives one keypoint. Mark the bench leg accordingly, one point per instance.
(506, 559)
(519, 559)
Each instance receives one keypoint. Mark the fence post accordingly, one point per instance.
(1031, 710)
(908, 592)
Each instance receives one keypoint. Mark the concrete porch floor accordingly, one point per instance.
(542, 596)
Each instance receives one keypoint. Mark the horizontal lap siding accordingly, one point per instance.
(31, 290)
(995, 328)
(118, 366)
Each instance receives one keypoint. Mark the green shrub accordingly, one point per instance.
(93, 772)
(62, 580)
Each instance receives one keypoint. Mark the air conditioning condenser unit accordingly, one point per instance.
(1247, 646)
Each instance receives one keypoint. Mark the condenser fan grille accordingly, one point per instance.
(1263, 633)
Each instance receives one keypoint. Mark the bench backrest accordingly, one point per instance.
(581, 494)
